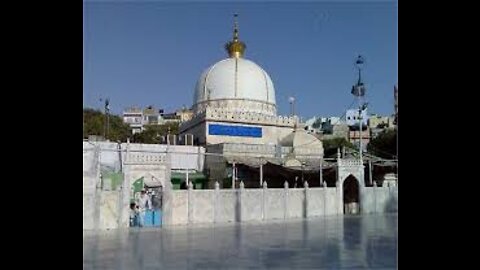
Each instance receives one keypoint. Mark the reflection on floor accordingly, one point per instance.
(354, 242)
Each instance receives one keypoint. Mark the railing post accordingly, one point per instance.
(285, 201)
(215, 202)
(307, 192)
(190, 202)
(264, 201)
(325, 198)
(339, 198)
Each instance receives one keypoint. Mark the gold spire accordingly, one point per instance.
(235, 48)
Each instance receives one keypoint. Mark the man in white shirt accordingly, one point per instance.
(144, 203)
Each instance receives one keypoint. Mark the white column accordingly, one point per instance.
(325, 199)
(321, 172)
(285, 189)
(233, 175)
(261, 174)
(264, 201)
(190, 203)
(339, 199)
(215, 203)
(370, 171)
(240, 193)
(305, 184)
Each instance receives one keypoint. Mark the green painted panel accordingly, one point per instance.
(115, 179)
(138, 185)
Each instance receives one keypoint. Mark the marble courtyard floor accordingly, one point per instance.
(337, 242)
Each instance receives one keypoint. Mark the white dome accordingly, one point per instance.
(235, 79)
(303, 144)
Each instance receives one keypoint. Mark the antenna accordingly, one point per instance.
(107, 118)
(291, 100)
(358, 90)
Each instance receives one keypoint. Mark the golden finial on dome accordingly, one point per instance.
(235, 48)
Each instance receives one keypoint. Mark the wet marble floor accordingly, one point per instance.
(338, 242)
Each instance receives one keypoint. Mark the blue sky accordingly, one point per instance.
(152, 52)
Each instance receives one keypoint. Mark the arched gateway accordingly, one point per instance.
(351, 181)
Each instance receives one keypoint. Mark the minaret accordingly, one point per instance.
(235, 48)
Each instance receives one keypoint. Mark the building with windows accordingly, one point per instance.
(138, 118)
(134, 117)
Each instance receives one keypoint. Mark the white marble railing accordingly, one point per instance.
(215, 114)
(349, 162)
(146, 158)
(248, 148)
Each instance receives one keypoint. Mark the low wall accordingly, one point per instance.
(102, 210)
(239, 205)
(379, 199)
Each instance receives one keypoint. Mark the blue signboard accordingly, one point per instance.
(240, 131)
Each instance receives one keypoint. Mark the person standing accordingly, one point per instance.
(144, 203)
(133, 215)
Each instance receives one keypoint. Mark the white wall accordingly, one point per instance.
(227, 205)
(109, 209)
(379, 200)
(239, 205)
(182, 156)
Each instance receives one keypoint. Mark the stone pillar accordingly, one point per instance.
(215, 202)
(199, 158)
(167, 203)
(190, 202)
(264, 201)
(261, 174)
(375, 196)
(325, 209)
(233, 175)
(124, 206)
(240, 193)
(285, 201)
(98, 188)
(370, 171)
(339, 198)
(305, 204)
(321, 172)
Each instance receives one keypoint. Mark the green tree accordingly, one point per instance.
(154, 133)
(94, 124)
(330, 146)
(384, 145)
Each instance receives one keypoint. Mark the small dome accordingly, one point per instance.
(303, 144)
(300, 138)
